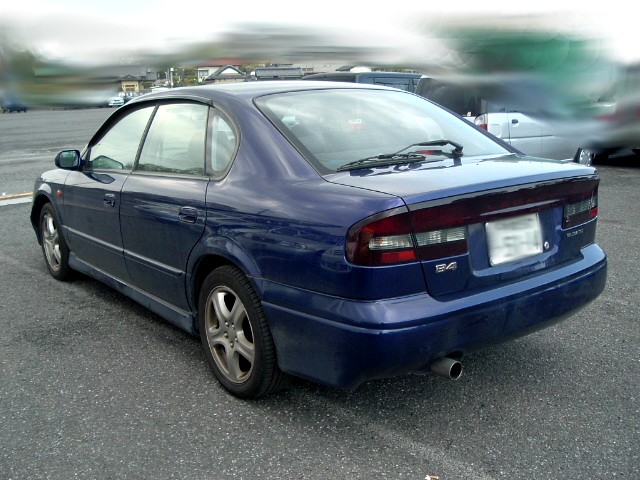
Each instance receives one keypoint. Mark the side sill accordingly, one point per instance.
(178, 317)
(115, 249)
(148, 263)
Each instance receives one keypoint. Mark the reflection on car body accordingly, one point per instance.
(241, 213)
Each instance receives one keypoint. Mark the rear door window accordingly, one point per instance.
(176, 140)
(223, 143)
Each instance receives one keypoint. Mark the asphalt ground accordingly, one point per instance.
(94, 386)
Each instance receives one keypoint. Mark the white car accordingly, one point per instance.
(116, 102)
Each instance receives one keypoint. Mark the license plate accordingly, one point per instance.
(513, 239)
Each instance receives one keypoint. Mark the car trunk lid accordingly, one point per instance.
(476, 225)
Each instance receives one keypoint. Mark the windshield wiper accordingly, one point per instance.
(382, 160)
(398, 157)
(456, 152)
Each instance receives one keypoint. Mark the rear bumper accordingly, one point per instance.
(344, 342)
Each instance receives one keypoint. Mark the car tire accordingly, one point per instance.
(54, 246)
(586, 156)
(235, 336)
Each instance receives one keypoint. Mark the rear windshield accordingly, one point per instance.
(335, 126)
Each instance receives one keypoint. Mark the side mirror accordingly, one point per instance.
(68, 159)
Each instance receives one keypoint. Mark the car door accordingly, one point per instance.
(525, 133)
(163, 201)
(92, 196)
(558, 140)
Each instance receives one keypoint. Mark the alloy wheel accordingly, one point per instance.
(229, 334)
(51, 242)
(584, 157)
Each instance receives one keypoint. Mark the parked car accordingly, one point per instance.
(617, 120)
(116, 101)
(546, 135)
(10, 105)
(400, 80)
(331, 231)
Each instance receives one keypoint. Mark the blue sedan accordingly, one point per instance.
(335, 232)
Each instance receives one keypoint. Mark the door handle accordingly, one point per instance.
(514, 121)
(188, 215)
(109, 200)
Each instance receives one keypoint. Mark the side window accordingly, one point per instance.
(117, 149)
(176, 140)
(223, 143)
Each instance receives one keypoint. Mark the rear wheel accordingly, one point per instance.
(235, 335)
(586, 156)
(54, 247)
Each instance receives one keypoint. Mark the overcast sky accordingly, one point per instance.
(86, 30)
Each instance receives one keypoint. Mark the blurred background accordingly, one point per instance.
(569, 62)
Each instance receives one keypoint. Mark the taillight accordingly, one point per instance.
(439, 233)
(429, 232)
(580, 212)
(482, 121)
(383, 240)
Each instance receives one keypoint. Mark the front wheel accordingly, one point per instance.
(54, 247)
(235, 335)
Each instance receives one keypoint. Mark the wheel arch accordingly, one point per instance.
(204, 262)
(40, 200)
(205, 265)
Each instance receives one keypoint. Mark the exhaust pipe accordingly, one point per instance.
(448, 368)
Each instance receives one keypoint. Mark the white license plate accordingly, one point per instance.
(513, 239)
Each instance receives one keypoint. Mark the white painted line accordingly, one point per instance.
(15, 201)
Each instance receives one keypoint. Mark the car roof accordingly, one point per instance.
(250, 90)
